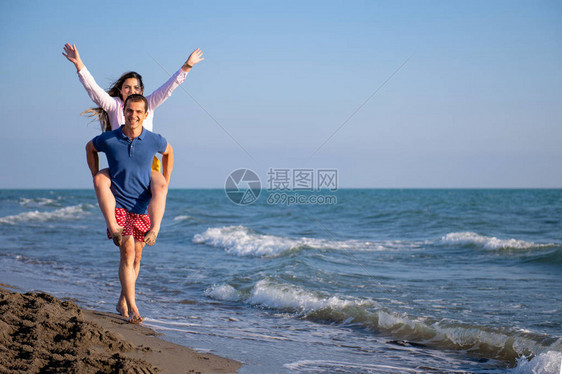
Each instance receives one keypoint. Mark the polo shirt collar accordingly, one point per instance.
(123, 136)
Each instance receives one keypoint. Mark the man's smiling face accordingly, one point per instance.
(135, 114)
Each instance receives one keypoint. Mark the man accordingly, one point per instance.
(129, 151)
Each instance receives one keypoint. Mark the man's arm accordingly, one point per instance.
(168, 162)
(93, 159)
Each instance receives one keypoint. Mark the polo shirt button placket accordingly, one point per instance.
(132, 149)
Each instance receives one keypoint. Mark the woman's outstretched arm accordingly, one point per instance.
(72, 55)
(96, 93)
(194, 58)
(156, 98)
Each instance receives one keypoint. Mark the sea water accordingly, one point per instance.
(383, 281)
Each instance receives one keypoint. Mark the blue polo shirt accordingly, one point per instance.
(130, 163)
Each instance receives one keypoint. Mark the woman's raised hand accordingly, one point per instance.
(194, 58)
(72, 55)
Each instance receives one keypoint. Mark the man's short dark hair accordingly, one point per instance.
(137, 98)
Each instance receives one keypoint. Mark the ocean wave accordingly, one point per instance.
(39, 201)
(552, 257)
(183, 218)
(223, 292)
(488, 242)
(67, 213)
(291, 298)
(327, 366)
(544, 363)
(242, 241)
(499, 343)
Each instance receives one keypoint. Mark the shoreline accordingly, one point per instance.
(39, 331)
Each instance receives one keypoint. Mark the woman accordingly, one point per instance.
(110, 113)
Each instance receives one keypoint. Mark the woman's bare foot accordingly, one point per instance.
(117, 235)
(150, 236)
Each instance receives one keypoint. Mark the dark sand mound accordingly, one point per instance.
(42, 334)
(39, 333)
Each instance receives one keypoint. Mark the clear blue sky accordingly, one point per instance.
(478, 103)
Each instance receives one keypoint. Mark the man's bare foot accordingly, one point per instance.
(150, 237)
(135, 319)
(117, 236)
(122, 309)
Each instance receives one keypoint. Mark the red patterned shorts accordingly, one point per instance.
(132, 223)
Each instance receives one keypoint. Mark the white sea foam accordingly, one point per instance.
(506, 343)
(284, 296)
(223, 292)
(67, 213)
(182, 218)
(39, 201)
(487, 242)
(242, 241)
(544, 363)
(324, 366)
(266, 293)
(392, 321)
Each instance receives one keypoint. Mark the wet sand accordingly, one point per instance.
(40, 333)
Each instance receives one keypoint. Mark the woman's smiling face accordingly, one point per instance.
(129, 87)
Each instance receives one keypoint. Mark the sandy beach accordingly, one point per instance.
(40, 333)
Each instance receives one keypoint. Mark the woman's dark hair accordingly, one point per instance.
(114, 91)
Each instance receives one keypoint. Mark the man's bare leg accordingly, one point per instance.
(122, 306)
(157, 206)
(129, 266)
(122, 303)
(106, 201)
